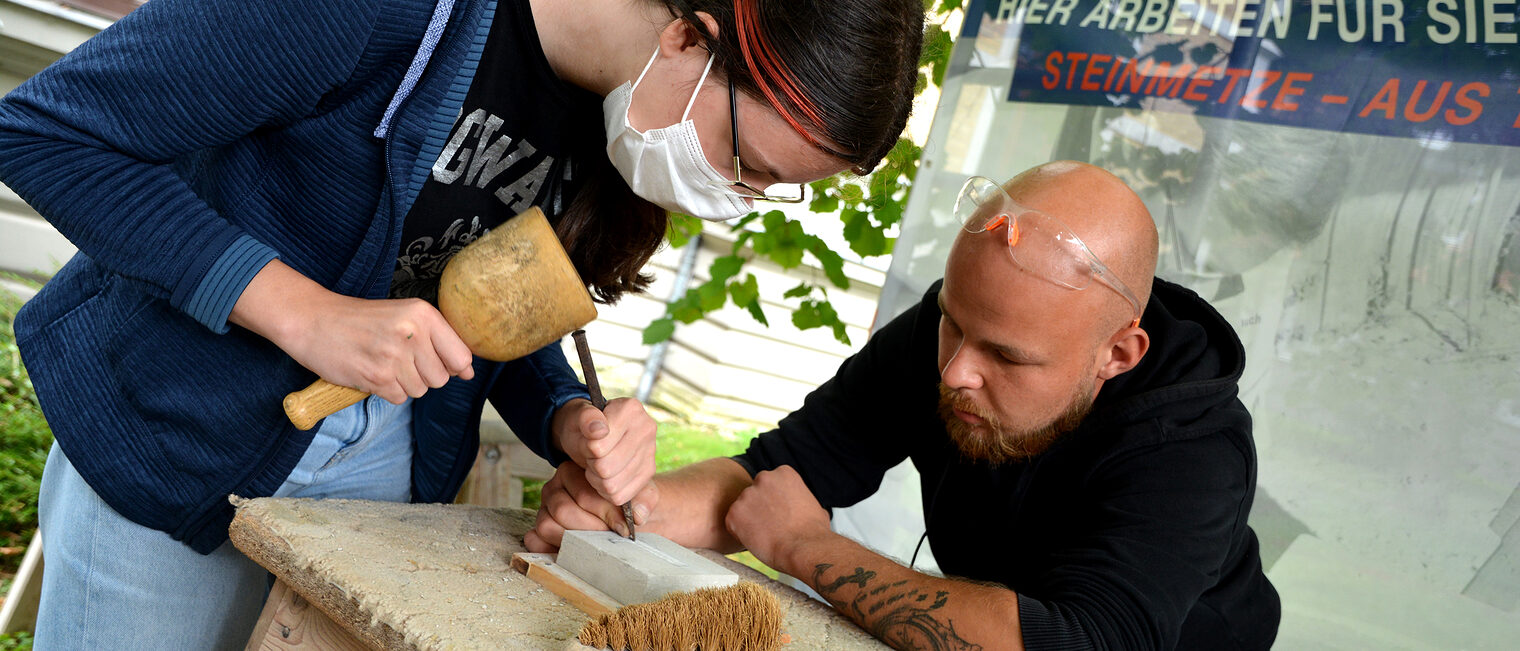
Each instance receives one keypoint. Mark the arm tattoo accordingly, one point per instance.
(898, 615)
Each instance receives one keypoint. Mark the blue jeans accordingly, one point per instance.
(109, 583)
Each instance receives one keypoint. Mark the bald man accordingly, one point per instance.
(1087, 464)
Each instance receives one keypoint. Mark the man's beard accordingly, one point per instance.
(989, 441)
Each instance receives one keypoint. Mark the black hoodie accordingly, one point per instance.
(1129, 533)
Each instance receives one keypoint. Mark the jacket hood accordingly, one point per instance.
(1194, 365)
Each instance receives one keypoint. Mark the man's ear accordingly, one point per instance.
(1123, 352)
(679, 35)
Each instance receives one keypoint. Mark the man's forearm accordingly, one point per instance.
(904, 608)
(694, 500)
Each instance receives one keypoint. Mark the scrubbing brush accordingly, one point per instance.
(739, 617)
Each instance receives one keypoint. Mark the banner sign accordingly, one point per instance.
(1440, 70)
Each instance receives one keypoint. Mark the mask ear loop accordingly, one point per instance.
(645, 71)
(700, 80)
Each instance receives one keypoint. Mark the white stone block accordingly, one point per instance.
(637, 572)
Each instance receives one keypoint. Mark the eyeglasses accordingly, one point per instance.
(738, 186)
(1039, 243)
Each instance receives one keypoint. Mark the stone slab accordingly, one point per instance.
(638, 571)
(431, 576)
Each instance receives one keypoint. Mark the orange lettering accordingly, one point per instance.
(1386, 100)
(1200, 79)
(1136, 79)
(1253, 93)
(1414, 100)
(1229, 88)
(1092, 66)
(1174, 82)
(1052, 73)
(1281, 103)
(1071, 70)
(1474, 107)
(1163, 70)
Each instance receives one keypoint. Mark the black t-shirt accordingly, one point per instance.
(510, 149)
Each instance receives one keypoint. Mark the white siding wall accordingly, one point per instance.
(32, 35)
(728, 367)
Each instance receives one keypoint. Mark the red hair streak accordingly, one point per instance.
(757, 53)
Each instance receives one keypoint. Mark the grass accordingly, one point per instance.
(24, 442)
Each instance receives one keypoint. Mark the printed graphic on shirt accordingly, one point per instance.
(482, 164)
(482, 177)
(421, 262)
(503, 155)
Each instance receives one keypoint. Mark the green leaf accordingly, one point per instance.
(788, 257)
(686, 310)
(870, 243)
(833, 265)
(883, 187)
(659, 330)
(824, 203)
(825, 184)
(851, 193)
(888, 214)
(681, 228)
(725, 267)
(905, 153)
(743, 239)
(758, 314)
(712, 294)
(782, 240)
(800, 290)
(856, 222)
(745, 292)
(936, 52)
(807, 316)
(840, 334)
(827, 316)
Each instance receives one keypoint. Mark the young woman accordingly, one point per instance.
(265, 192)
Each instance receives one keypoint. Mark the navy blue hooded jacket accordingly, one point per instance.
(181, 150)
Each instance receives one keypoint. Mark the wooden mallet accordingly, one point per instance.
(507, 294)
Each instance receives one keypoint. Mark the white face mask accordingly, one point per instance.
(666, 166)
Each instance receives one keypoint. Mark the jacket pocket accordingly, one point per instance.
(212, 398)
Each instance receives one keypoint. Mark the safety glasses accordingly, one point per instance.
(794, 194)
(1039, 243)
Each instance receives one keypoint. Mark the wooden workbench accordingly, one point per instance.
(372, 575)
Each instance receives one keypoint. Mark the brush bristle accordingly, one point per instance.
(739, 617)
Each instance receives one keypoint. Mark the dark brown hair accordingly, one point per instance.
(851, 65)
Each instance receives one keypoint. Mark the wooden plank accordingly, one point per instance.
(290, 622)
(20, 610)
(501, 465)
(490, 480)
(543, 569)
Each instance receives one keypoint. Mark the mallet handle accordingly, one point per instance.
(318, 401)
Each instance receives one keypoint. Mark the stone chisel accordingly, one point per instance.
(583, 350)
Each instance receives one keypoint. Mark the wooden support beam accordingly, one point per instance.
(290, 622)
